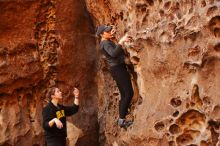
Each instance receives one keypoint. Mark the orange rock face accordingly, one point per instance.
(20, 73)
(176, 61)
(42, 44)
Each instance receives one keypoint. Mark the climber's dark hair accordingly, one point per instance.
(50, 92)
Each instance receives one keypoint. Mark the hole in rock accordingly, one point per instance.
(217, 47)
(216, 111)
(187, 137)
(121, 15)
(135, 60)
(175, 102)
(171, 121)
(172, 143)
(161, 13)
(167, 5)
(207, 100)
(159, 126)
(150, 2)
(192, 118)
(203, 3)
(217, 32)
(214, 25)
(190, 10)
(211, 10)
(140, 100)
(176, 113)
(214, 124)
(195, 95)
(143, 9)
(192, 104)
(174, 129)
(167, 134)
(140, 6)
(115, 94)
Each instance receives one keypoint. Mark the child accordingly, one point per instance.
(54, 117)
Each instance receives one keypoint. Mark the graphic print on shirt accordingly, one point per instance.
(60, 114)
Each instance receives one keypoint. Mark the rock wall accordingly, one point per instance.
(174, 59)
(20, 73)
(45, 43)
(175, 67)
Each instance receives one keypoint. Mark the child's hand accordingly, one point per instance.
(76, 93)
(58, 123)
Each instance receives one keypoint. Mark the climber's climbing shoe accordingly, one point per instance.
(124, 124)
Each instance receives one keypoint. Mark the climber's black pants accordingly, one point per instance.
(59, 141)
(123, 80)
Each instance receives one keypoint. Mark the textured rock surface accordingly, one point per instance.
(45, 43)
(176, 62)
(175, 70)
(20, 72)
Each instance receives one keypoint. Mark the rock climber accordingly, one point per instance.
(54, 117)
(115, 57)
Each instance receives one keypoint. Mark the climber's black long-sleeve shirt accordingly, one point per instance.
(114, 53)
(60, 112)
